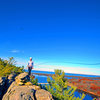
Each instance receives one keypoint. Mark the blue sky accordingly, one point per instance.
(53, 32)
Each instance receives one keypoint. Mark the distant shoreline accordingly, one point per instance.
(52, 70)
(67, 76)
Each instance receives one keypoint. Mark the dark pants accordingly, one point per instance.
(29, 71)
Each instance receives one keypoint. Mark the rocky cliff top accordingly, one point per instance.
(22, 89)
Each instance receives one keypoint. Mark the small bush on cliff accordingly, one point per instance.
(58, 87)
(34, 81)
(8, 66)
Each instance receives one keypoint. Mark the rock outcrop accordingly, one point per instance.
(23, 89)
(2, 86)
(10, 79)
(43, 95)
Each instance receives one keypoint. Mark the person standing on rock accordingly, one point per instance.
(30, 66)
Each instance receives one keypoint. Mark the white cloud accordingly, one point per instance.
(15, 51)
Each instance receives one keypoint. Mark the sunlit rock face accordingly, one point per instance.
(43, 95)
(23, 89)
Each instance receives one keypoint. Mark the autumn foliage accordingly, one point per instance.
(88, 85)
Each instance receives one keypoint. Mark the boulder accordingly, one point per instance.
(35, 87)
(23, 89)
(23, 76)
(11, 78)
(28, 83)
(43, 95)
(19, 93)
(16, 92)
(20, 89)
(26, 93)
(5, 83)
(2, 86)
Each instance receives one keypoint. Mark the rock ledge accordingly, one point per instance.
(23, 89)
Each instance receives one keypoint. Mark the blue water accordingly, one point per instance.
(43, 79)
(71, 74)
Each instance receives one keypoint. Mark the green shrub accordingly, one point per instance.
(8, 66)
(34, 81)
(58, 87)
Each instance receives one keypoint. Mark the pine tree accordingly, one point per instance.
(8, 66)
(58, 87)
